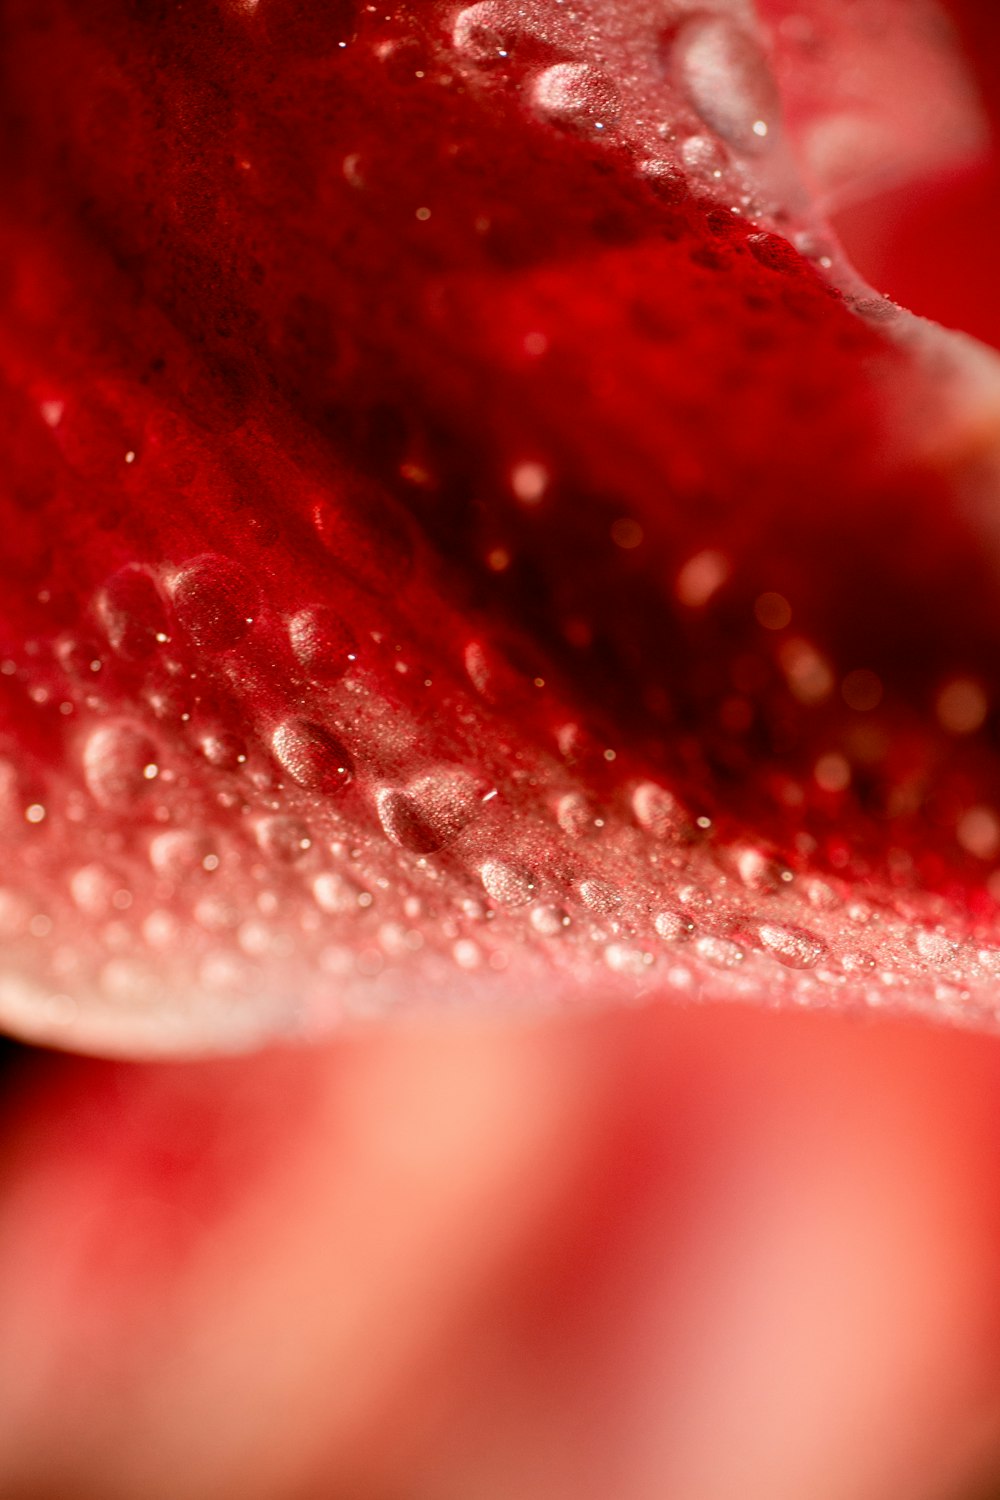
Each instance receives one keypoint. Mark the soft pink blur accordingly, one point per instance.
(662, 1254)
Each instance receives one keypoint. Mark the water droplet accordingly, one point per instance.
(795, 947)
(431, 811)
(222, 748)
(335, 893)
(575, 815)
(704, 156)
(722, 952)
(727, 79)
(599, 897)
(623, 959)
(577, 96)
(673, 926)
(488, 672)
(215, 601)
(322, 642)
(757, 870)
(132, 613)
(487, 32)
(508, 884)
(178, 853)
(283, 839)
(312, 756)
(549, 921)
(115, 761)
(658, 811)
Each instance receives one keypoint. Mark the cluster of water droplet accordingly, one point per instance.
(250, 862)
(692, 95)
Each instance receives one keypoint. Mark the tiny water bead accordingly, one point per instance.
(132, 613)
(312, 756)
(599, 896)
(577, 97)
(179, 853)
(548, 920)
(487, 32)
(576, 816)
(119, 763)
(726, 77)
(283, 839)
(510, 885)
(431, 811)
(658, 811)
(336, 894)
(793, 946)
(215, 601)
(322, 642)
(673, 926)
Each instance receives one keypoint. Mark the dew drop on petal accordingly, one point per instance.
(727, 79)
(322, 642)
(548, 920)
(722, 952)
(311, 755)
(658, 811)
(795, 947)
(673, 926)
(757, 870)
(431, 811)
(599, 897)
(132, 613)
(283, 839)
(335, 893)
(116, 763)
(577, 97)
(704, 156)
(622, 958)
(179, 852)
(486, 32)
(215, 601)
(508, 884)
(575, 815)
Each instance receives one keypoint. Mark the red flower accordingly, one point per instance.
(475, 545)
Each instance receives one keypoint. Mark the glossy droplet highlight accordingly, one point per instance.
(312, 756)
(577, 96)
(599, 897)
(794, 947)
(117, 761)
(431, 811)
(322, 643)
(283, 839)
(132, 613)
(335, 894)
(673, 926)
(179, 853)
(509, 884)
(658, 811)
(215, 601)
(726, 77)
(486, 32)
